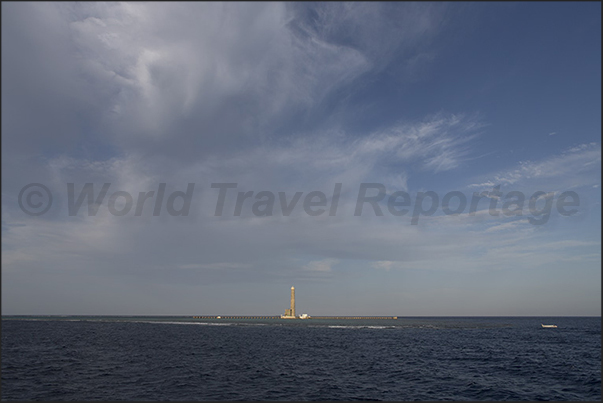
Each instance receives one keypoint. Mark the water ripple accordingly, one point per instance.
(413, 359)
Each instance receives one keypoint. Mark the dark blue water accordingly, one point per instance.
(404, 359)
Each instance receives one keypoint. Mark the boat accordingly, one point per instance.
(548, 325)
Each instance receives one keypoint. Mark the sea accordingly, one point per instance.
(182, 358)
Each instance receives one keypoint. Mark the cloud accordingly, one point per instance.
(215, 266)
(574, 167)
(148, 77)
(212, 247)
(321, 265)
(162, 72)
(521, 248)
(481, 185)
(440, 141)
(384, 264)
(206, 93)
(573, 161)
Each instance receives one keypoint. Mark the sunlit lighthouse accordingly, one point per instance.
(290, 313)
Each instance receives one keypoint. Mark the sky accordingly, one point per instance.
(375, 108)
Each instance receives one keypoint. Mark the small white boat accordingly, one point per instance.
(548, 325)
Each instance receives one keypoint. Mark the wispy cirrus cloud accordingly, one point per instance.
(576, 166)
(439, 143)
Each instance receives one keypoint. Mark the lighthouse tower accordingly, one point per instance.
(293, 301)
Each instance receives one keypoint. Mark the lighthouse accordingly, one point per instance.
(290, 313)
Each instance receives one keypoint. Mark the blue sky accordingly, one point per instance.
(297, 97)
